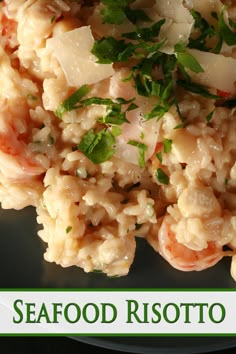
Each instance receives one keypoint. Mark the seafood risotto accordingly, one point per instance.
(117, 121)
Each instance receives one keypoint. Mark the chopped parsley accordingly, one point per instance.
(157, 112)
(159, 156)
(221, 31)
(142, 148)
(153, 72)
(228, 36)
(97, 147)
(114, 107)
(145, 34)
(162, 176)
(109, 50)
(116, 131)
(115, 12)
(115, 114)
(167, 143)
(68, 229)
(71, 102)
(206, 30)
(197, 89)
(32, 97)
(53, 19)
(186, 60)
(51, 140)
(209, 116)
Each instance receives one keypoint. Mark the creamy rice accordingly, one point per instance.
(102, 173)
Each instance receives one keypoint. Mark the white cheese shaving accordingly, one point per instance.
(219, 71)
(178, 22)
(73, 51)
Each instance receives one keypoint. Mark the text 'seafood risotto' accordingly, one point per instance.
(118, 121)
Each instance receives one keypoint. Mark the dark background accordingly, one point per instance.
(57, 345)
(22, 266)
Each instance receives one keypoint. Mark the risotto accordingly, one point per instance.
(117, 121)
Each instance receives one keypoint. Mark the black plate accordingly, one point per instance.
(22, 266)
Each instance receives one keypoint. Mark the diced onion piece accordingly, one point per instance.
(73, 51)
(219, 71)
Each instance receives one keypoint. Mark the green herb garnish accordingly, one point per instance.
(186, 60)
(209, 116)
(207, 31)
(167, 143)
(32, 97)
(97, 147)
(228, 36)
(51, 140)
(53, 19)
(68, 229)
(72, 102)
(142, 148)
(159, 156)
(162, 176)
(116, 12)
(197, 89)
(145, 34)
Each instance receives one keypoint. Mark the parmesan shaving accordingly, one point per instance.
(219, 71)
(73, 51)
(178, 25)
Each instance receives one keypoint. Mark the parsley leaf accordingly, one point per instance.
(135, 15)
(114, 107)
(142, 148)
(114, 117)
(71, 102)
(197, 89)
(116, 12)
(116, 131)
(146, 34)
(162, 176)
(226, 33)
(207, 31)
(167, 143)
(97, 147)
(159, 156)
(114, 15)
(188, 61)
(157, 112)
(109, 50)
(68, 229)
(209, 116)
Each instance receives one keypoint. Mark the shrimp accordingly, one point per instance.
(17, 161)
(8, 29)
(183, 258)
